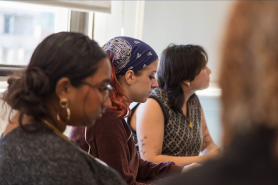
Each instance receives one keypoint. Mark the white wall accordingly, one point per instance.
(187, 22)
(191, 22)
(124, 15)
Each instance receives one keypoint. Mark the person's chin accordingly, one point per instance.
(142, 100)
(203, 88)
(207, 86)
(145, 99)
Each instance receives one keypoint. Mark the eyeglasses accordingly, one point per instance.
(105, 90)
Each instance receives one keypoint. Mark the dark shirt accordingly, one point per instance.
(178, 139)
(45, 158)
(111, 142)
(250, 160)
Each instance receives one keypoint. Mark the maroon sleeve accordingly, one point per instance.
(111, 141)
(149, 169)
(108, 139)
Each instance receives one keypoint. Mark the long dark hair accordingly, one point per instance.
(71, 55)
(179, 63)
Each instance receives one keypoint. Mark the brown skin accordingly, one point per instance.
(85, 103)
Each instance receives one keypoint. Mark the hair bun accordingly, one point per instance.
(11, 80)
(37, 80)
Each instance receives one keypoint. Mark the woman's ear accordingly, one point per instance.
(129, 77)
(63, 88)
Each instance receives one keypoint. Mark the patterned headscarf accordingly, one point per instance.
(129, 54)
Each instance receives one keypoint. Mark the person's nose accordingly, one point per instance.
(209, 71)
(154, 84)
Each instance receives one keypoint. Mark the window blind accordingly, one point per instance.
(96, 6)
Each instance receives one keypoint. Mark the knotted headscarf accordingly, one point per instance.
(129, 54)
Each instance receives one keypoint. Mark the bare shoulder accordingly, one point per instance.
(149, 112)
(149, 105)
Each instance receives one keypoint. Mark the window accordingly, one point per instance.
(24, 26)
(212, 110)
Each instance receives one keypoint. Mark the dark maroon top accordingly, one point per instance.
(111, 142)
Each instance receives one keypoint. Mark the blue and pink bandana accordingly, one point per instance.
(129, 54)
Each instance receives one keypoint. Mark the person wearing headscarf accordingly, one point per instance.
(134, 64)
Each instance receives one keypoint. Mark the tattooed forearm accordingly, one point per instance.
(157, 150)
(207, 138)
(206, 127)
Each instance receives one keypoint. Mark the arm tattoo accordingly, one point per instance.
(142, 152)
(207, 138)
(143, 144)
(157, 150)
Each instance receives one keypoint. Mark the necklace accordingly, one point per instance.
(189, 118)
(57, 131)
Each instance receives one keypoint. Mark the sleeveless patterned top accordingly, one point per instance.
(179, 139)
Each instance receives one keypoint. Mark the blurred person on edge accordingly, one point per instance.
(249, 83)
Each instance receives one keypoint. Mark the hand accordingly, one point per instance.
(212, 154)
(189, 167)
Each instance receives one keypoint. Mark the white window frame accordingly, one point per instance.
(6, 70)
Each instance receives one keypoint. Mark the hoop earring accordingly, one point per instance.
(64, 104)
(188, 84)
